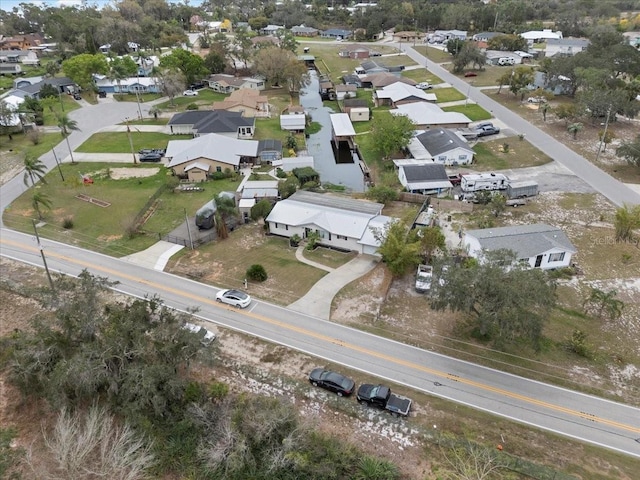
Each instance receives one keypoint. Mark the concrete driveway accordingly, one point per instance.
(317, 301)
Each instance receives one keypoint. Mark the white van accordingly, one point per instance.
(503, 61)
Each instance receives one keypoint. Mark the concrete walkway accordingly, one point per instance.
(154, 257)
(317, 301)
(301, 258)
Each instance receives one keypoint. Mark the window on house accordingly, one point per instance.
(556, 257)
(462, 157)
(276, 225)
(218, 169)
(442, 158)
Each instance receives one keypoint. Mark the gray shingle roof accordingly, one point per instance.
(440, 140)
(212, 121)
(56, 82)
(334, 201)
(427, 172)
(526, 240)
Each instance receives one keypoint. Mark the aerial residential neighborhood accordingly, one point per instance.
(386, 240)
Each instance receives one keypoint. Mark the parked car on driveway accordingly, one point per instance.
(77, 96)
(150, 157)
(190, 93)
(332, 381)
(424, 85)
(236, 298)
(486, 128)
(536, 100)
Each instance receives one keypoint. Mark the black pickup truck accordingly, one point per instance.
(381, 397)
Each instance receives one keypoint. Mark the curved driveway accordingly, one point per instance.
(602, 182)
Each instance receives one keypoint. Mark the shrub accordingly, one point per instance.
(294, 240)
(291, 142)
(35, 135)
(281, 173)
(67, 223)
(382, 194)
(257, 273)
(192, 106)
(261, 210)
(578, 344)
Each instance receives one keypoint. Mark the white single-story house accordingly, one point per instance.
(400, 93)
(446, 35)
(294, 122)
(209, 153)
(128, 85)
(223, 83)
(427, 115)
(442, 146)
(427, 178)
(537, 36)
(539, 245)
(341, 222)
(567, 47)
(26, 57)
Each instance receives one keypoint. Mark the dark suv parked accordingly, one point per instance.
(150, 157)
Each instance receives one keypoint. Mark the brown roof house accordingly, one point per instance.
(246, 101)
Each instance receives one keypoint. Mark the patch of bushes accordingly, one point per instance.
(257, 273)
(67, 223)
(192, 106)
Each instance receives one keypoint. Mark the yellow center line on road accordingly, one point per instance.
(336, 341)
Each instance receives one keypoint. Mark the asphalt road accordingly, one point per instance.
(602, 182)
(583, 417)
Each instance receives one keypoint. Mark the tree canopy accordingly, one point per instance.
(506, 302)
(189, 64)
(81, 68)
(392, 133)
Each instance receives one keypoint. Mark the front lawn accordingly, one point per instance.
(225, 263)
(422, 75)
(204, 99)
(490, 155)
(448, 95)
(118, 142)
(142, 97)
(102, 229)
(473, 111)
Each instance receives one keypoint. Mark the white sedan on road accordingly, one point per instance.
(236, 298)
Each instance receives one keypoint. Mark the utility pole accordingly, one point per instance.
(44, 260)
(186, 218)
(604, 134)
(133, 153)
(57, 163)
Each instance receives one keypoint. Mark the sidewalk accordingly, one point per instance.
(317, 301)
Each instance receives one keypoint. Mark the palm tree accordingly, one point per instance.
(155, 111)
(34, 169)
(574, 128)
(226, 208)
(38, 200)
(66, 126)
(604, 302)
(544, 108)
(627, 219)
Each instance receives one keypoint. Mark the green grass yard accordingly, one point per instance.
(490, 155)
(448, 95)
(118, 142)
(473, 111)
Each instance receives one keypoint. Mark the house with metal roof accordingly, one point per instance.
(211, 153)
(442, 146)
(203, 122)
(304, 31)
(399, 93)
(223, 83)
(293, 122)
(426, 115)
(271, 29)
(336, 33)
(565, 47)
(269, 150)
(340, 222)
(427, 178)
(537, 36)
(538, 245)
(486, 36)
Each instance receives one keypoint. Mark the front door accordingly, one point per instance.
(538, 261)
